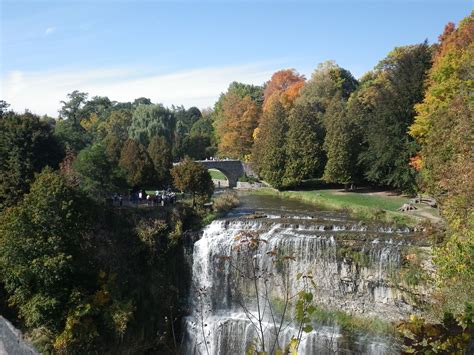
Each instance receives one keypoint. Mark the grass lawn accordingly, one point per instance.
(348, 199)
(216, 174)
(380, 206)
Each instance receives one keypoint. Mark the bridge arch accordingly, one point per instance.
(232, 169)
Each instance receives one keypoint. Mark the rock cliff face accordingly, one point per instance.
(353, 266)
(11, 340)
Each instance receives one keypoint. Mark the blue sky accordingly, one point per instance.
(187, 52)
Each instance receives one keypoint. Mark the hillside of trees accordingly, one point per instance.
(79, 276)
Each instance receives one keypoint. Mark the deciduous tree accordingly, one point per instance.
(160, 154)
(27, 145)
(240, 117)
(444, 126)
(397, 87)
(137, 165)
(99, 176)
(150, 121)
(193, 178)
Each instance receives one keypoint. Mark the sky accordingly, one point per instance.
(188, 52)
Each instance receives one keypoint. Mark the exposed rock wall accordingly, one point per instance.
(11, 340)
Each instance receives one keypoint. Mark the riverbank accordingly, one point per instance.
(368, 205)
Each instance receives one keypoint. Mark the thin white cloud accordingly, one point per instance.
(49, 31)
(41, 92)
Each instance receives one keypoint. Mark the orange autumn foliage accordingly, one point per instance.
(240, 118)
(285, 86)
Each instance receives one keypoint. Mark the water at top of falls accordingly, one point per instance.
(225, 304)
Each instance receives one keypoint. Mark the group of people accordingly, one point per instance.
(141, 197)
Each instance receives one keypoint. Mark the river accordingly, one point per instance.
(249, 267)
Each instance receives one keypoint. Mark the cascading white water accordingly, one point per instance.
(219, 324)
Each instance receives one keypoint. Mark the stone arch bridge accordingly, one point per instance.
(232, 169)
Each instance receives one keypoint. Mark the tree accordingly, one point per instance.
(444, 126)
(193, 178)
(152, 120)
(306, 157)
(115, 132)
(285, 83)
(185, 119)
(137, 165)
(98, 105)
(240, 117)
(398, 86)
(235, 93)
(72, 136)
(196, 146)
(341, 145)
(98, 175)
(141, 101)
(160, 154)
(327, 81)
(27, 145)
(39, 246)
(72, 108)
(269, 151)
(241, 90)
(3, 107)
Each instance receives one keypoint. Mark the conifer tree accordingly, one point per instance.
(341, 145)
(269, 152)
(306, 157)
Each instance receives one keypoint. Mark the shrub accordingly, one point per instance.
(225, 202)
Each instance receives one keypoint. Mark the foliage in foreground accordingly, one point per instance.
(444, 127)
(450, 336)
(84, 278)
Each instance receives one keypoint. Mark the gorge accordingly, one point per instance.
(353, 267)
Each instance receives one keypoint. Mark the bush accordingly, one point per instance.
(249, 179)
(225, 202)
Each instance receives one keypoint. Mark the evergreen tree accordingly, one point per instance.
(306, 157)
(269, 151)
(341, 144)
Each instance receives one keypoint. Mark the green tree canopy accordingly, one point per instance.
(306, 157)
(269, 151)
(444, 126)
(39, 246)
(27, 145)
(193, 178)
(342, 144)
(99, 176)
(72, 109)
(397, 87)
(72, 136)
(160, 154)
(327, 81)
(152, 120)
(137, 165)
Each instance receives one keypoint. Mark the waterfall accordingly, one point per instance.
(225, 303)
